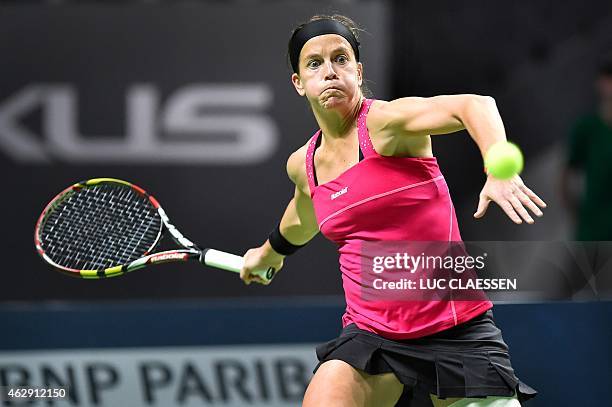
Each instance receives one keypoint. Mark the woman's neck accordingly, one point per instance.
(337, 123)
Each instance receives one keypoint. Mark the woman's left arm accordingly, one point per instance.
(414, 116)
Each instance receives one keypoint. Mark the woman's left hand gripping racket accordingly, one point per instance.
(106, 227)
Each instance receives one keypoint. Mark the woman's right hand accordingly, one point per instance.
(260, 258)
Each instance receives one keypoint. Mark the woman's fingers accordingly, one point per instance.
(245, 275)
(248, 277)
(514, 198)
(259, 280)
(532, 195)
(245, 271)
(483, 204)
(520, 209)
(526, 200)
(510, 211)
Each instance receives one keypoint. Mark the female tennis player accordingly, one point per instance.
(369, 175)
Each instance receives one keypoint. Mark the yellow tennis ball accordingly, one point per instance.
(504, 160)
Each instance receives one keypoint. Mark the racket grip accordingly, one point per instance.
(231, 262)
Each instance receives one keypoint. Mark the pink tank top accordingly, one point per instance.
(387, 199)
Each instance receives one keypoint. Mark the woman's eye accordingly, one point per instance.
(313, 64)
(342, 59)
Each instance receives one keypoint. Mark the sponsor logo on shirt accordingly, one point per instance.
(337, 194)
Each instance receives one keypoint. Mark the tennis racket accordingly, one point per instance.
(107, 227)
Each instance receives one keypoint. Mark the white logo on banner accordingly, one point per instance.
(235, 130)
(228, 376)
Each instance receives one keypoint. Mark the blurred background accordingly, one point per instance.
(192, 100)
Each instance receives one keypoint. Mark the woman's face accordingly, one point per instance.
(329, 75)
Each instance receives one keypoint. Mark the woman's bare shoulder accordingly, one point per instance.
(296, 166)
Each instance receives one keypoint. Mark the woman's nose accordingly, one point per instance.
(329, 71)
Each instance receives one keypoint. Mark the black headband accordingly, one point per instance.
(314, 29)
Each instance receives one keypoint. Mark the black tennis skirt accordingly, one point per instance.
(468, 360)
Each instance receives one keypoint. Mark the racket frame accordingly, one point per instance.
(189, 251)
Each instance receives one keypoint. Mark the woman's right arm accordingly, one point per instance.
(298, 224)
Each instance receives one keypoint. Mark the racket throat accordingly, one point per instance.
(174, 232)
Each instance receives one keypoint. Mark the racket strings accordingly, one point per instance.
(99, 227)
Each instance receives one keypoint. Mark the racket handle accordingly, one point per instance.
(231, 262)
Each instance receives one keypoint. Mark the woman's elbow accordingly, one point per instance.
(483, 99)
(480, 103)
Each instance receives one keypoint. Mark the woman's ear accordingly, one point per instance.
(359, 73)
(297, 84)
